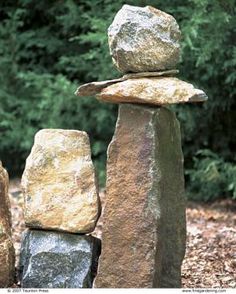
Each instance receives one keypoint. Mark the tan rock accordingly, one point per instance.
(163, 73)
(7, 253)
(144, 39)
(144, 229)
(5, 214)
(7, 260)
(157, 91)
(93, 88)
(59, 183)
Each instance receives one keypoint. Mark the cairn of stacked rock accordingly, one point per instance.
(7, 252)
(61, 198)
(144, 226)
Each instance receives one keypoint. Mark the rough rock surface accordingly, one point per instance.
(157, 91)
(96, 87)
(7, 253)
(144, 227)
(5, 215)
(59, 183)
(144, 39)
(58, 260)
(163, 73)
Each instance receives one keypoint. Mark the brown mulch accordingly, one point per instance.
(210, 260)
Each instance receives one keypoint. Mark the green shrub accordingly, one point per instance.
(211, 177)
(48, 48)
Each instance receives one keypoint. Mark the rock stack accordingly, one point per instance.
(61, 207)
(144, 227)
(7, 252)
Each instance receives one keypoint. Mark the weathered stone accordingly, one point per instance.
(144, 39)
(58, 260)
(59, 183)
(144, 227)
(7, 253)
(157, 91)
(7, 260)
(163, 73)
(93, 88)
(5, 214)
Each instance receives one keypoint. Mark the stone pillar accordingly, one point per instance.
(143, 242)
(144, 228)
(7, 252)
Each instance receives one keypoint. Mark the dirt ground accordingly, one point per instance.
(210, 259)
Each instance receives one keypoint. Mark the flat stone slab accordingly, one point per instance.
(93, 88)
(7, 252)
(144, 39)
(156, 91)
(59, 184)
(144, 226)
(58, 260)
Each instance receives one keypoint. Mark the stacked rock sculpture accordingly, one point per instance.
(61, 207)
(144, 226)
(7, 252)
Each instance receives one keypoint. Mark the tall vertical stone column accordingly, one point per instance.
(144, 218)
(7, 252)
(144, 228)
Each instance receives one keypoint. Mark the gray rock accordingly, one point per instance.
(144, 39)
(58, 260)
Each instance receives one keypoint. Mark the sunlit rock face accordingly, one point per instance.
(59, 183)
(156, 91)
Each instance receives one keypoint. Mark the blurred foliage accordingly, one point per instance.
(213, 175)
(48, 48)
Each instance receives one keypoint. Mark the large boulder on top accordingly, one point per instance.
(144, 39)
